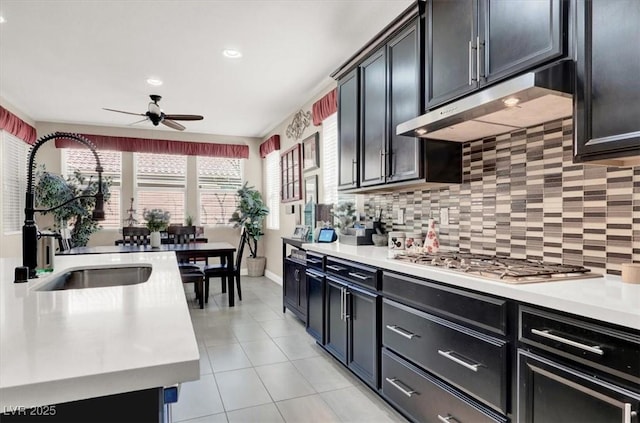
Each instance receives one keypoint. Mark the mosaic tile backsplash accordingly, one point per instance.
(523, 197)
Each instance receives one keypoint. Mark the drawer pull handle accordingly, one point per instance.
(596, 349)
(396, 384)
(448, 355)
(336, 268)
(448, 419)
(314, 261)
(358, 276)
(402, 332)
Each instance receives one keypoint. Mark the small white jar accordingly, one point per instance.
(397, 240)
(413, 240)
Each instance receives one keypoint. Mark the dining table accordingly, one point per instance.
(224, 250)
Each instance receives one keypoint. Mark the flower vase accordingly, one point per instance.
(155, 239)
(431, 243)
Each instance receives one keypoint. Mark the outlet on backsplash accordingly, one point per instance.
(444, 216)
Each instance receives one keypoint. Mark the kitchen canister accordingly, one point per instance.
(397, 240)
(631, 272)
(413, 240)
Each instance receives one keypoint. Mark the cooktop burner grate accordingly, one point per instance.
(504, 269)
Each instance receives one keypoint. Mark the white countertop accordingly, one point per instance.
(607, 298)
(60, 346)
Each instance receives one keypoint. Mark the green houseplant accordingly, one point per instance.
(250, 214)
(52, 190)
(157, 220)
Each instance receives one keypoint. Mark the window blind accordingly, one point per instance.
(219, 179)
(161, 184)
(14, 181)
(330, 159)
(272, 170)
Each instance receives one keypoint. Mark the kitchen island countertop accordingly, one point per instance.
(60, 346)
(607, 298)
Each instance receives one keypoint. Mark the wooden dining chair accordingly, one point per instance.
(224, 273)
(189, 272)
(134, 235)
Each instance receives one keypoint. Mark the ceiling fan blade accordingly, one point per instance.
(184, 117)
(120, 111)
(138, 121)
(172, 124)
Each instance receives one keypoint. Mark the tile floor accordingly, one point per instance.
(259, 365)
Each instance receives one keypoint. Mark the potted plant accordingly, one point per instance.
(250, 213)
(157, 220)
(344, 216)
(52, 190)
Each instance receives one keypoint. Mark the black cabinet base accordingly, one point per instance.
(136, 407)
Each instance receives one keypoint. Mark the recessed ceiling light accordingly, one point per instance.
(154, 81)
(231, 53)
(2, 20)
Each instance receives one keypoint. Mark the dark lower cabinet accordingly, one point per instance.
(423, 398)
(295, 288)
(551, 392)
(315, 305)
(352, 333)
(607, 110)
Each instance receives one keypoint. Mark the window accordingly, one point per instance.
(219, 179)
(161, 181)
(83, 161)
(14, 181)
(330, 162)
(291, 168)
(272, 173)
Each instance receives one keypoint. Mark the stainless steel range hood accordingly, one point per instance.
(520, 102)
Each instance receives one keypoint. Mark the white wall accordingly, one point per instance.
(273, 238)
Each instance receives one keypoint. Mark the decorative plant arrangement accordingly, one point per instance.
(52, 189)
(157, 219)
(250, 213)
(344, 215)
(188, 221)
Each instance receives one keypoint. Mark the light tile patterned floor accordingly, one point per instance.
(259, 365)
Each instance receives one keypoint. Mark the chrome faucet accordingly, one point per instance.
(29, 229)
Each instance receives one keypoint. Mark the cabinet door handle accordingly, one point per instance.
(628, 413)
(341, 304)
(296, 275)
(381, 164)
(402, 332)
(359, 276)
(447, 354)
(470, 62)
(336, 268)
(395, 382)
(347, 315)
(478, 46)
(353, 176)
(596, 349)
(448, 419)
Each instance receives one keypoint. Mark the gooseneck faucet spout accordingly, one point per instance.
(29, 229)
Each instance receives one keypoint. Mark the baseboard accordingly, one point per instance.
(275, 278)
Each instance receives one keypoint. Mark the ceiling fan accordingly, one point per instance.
(157, 116)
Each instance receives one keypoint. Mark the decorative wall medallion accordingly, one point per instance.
(300, 121)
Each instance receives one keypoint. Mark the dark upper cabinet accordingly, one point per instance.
(348, 130)
(472, 43)
(404, 155)
(373, 112)
(450, 39)
(607, 109)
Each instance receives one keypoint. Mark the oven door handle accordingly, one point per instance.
(596, 349)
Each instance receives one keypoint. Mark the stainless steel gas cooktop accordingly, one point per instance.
(504, 269)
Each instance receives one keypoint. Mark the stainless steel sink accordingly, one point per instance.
(97, 277)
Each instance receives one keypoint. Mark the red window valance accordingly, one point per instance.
(270, 145)
(325, 107)
(16, 126)
(144, 145)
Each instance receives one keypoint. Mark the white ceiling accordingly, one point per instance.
(63, 61)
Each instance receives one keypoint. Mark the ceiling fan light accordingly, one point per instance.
(154, 81)
(231, 53)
